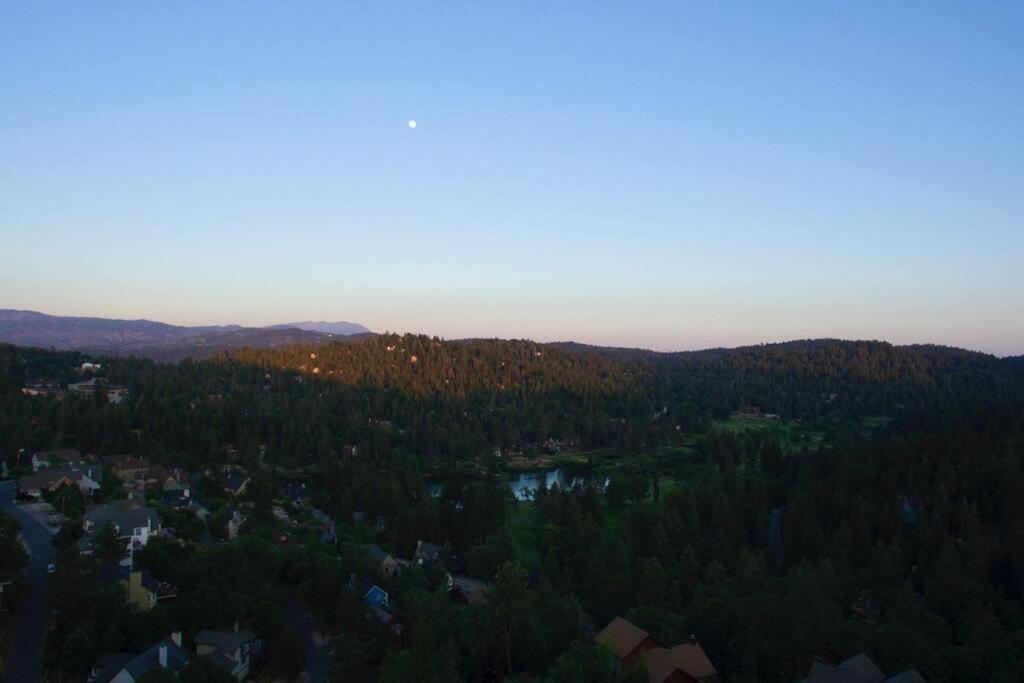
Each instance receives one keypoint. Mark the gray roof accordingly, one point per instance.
(227, 642)
(125, 514)
(428, 551)
(108, 665)
(177, 659)
(908, 676)
(858, 669)
(44, 479)
(375, 553)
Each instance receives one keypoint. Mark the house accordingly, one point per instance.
(117, 394)
(88, 387)
(65, 457)
(427, 554)
(430, 555)
(176, 499)
(383, 563)
(41, 387)
(167, 654)
(857, 669)
(88, 478)
(234, 651)
(127, 467)
(35, 485)
(142, 588)
(89, 367)
(631, 644)
(469, 591)
(235, 522)
(627, 642)
(114, 393)
(295, 492)
(135, 523)
(376, 597)
(236, 483)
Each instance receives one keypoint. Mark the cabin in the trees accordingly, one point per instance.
(630, 644)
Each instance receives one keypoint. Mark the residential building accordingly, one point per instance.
(858, 669)
(376, 597)
(88, 478)
(168, 654)
(383, 563)
(236, 483)
(143, 589)
(234, 651)
(65, 457)
(135, 524)
(127, 467)
(630, 644)
(42, 387)
(427, 554)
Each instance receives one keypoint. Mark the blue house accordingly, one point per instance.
(376, 597)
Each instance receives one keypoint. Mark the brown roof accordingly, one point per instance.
(44, 480)
(691, 659)
(622, 636)
(159, 473)
(659, 664)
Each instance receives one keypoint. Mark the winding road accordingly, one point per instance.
(25, 646)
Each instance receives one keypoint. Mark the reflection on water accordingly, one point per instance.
(523, 484)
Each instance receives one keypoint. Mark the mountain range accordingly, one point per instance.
(161, 341)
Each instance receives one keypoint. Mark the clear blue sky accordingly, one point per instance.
(670, 175)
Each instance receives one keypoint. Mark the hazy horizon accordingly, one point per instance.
(672, 176)
(393, 330)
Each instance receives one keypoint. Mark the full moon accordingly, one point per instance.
(412, 123)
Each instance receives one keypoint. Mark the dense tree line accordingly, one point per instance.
(902, 537)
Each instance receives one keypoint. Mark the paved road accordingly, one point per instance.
(315, 657)
(25, 647)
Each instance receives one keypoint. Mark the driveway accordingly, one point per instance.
(25, 647)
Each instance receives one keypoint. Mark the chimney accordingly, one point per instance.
(176, 638)
(163, 655)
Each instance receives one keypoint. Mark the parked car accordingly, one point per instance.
(51, 568)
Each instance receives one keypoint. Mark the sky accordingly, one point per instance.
(669, 175)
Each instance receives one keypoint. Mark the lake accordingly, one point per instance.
(524, 482)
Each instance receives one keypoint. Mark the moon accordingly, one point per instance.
(412, 123)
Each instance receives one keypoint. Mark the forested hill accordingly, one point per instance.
(798, 379)
(456, 399)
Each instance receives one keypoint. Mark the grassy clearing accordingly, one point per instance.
(522, 523)
(793, 434)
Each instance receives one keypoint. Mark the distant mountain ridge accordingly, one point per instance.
(340, 328)
(152, 339)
